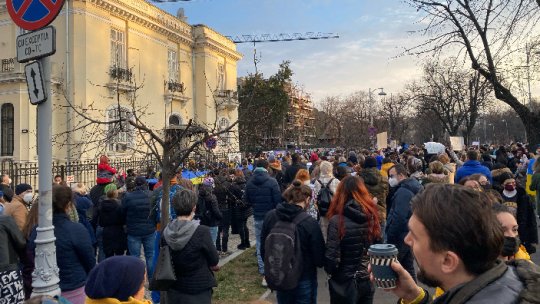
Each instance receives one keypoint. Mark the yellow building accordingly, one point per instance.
(126, 52)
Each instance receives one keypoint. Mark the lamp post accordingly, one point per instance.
(371, 129)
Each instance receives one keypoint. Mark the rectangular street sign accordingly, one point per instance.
(34, 83)
(37, 44)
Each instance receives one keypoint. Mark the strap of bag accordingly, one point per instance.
(328, 184)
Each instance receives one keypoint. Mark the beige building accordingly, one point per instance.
(119, 52)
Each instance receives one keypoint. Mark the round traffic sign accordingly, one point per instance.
(33, 14)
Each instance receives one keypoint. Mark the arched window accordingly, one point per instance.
(175, 120)
(222, 125)
(121, 134)
(8, 127)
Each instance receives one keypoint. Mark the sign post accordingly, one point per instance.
(35, 15)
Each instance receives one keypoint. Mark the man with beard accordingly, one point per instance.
(456, 241)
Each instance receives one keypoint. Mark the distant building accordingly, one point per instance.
(106, 47)
(299, 123)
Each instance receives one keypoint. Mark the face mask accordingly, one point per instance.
(27, 198)
(393, 181)
(486, 186)
(9, 181)
(509, 187)
(511, 246)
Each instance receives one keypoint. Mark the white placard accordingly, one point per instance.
(434, 147)
(382, 140)
(457, 142)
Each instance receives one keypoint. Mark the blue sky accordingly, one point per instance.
(372, 34)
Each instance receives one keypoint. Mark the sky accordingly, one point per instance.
(373, 35)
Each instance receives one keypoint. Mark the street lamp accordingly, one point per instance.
(371, 128)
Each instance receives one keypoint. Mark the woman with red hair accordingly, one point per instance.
(353, 227)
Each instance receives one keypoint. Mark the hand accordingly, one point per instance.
(406, 288)
(375, 200)
(215, 268)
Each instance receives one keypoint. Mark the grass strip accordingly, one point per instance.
(239, 280)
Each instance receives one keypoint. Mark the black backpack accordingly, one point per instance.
(283, 255)
(202, 213)
(324, 197)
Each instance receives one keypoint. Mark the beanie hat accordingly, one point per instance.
(20, 188)
(314, 157)
(370, 162)
(118, 277)
(208, 182)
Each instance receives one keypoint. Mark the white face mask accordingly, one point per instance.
(393, 181)
(27, 198)
(9, 181)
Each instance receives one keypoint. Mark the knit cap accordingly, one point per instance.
(20, 188)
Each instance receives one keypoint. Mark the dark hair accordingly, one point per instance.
(57, 175)
(353, 188)
(341, 172)
(295, 157)
(183, 202)
(262, 163)
(61, 198)
(297, 192)
(400, 169)
(500, 208)
(460, 220)
(472, 155)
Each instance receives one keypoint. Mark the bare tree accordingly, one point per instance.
(395, 111)
(490, 34)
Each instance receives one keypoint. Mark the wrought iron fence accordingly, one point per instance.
(82, 171)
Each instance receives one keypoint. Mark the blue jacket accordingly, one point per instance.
(136, 207)
(83, 204)
(263, 193)
(74, 252)
(471, 167)
(400, 213)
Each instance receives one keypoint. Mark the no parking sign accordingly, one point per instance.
(33, 14)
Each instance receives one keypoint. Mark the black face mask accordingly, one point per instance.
(486, 186)
(511, 246)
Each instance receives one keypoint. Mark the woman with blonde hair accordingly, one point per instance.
(84, 206)
(303, 176)
(353, 227)
(325, 179)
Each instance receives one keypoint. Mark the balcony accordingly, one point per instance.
(175, 92)
(121, 79)
(11, 71)
(226, 99)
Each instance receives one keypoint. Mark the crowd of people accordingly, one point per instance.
(468, 219)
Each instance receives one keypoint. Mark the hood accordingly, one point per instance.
(109, 205)
(260, 177)
(287, 212)
(179, 232)
(437, 178)
(498, 172)
(240, 180)
(371, 176)
(412, 185)
(353, 211)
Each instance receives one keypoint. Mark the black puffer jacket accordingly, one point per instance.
(309, 232)
(136, 208)
(209, 199)
(241, 211)
(262, 193)
(220, 191)
(343, 257)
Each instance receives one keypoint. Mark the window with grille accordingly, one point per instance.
(120, 134)
(173, 66)
(118, 48)
(221, 76)
(175, 120)
(225, 137)
(7, 121)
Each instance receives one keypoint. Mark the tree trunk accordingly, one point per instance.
(165, 201)
(532, 127)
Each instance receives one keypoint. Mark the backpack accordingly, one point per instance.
(324, 197)
(202, 213)
(283, 255)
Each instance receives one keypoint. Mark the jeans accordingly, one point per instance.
(213, 234)
(260, 260)
(304, 293)
(134, 247)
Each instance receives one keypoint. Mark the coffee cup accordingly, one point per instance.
(381, 257)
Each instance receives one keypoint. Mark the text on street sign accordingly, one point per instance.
(35, 45)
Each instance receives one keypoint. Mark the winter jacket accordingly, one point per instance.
(309, 234)
(209, 199)
(377, 186)
(471, 167)
(105, 173)
(192, 254)
(156, 202)
(240, 210)
(290, 172)
(262, 193)
(516, 282)
(83, 204)
(74, 252)
(18, 210)
(12, 244)
(110, 218)
(535, 185)
(221, 192)
(136, 207)
(344, 256)
(398, 218)
(385, 168)
(435, 179)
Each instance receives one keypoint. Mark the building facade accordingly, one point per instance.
(116, 58)
(300, 120)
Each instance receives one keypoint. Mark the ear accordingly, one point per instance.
(450, 263)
